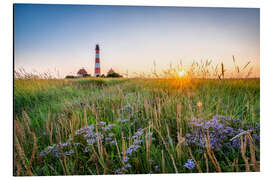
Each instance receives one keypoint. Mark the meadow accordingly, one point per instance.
(95, 126)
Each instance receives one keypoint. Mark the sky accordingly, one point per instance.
(61, 38)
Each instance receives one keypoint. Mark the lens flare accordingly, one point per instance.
(181, 73)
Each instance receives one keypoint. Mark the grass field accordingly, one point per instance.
(136, 126)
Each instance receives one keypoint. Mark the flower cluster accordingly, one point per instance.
(190, 164)
(134, 147)
(220, 132)
(55, 149)
(89, 136)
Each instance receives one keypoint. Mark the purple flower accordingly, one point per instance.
(122, 121)
(139, 133)
(118, 171)
(102, 123)
(68, 153)
(128, 166)
(86, 149)
(112, 143)
(111, 125)
(137, 141)
(130, 150)
(111, 135)
(125, 159)
(189, 164)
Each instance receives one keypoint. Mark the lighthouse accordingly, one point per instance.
(97, 62)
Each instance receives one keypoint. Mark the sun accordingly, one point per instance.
(181, 73)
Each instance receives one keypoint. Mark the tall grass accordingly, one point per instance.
(138, 125)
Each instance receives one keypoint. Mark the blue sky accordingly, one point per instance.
(63, 37)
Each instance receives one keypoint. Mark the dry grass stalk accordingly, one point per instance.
(19, 129)
(206, 162)
(71, 125)
(148, 144)
(25, 117)
(158, 107)
(118, 151)
(107, 158)
(84, 117)
(252, 153)
(20, 151)
(29, 172)
(18, 165)
(123, 144)
(49, 127)
(236, 165)
(62, 157)
(197, 164)
(99, 158)
(146, 107)
(99, 145)
(162, 161)
(178, 117)
(156, 119)
(243, 152)
(165, 145)
(97, 168)
(210, 153)
(179, 144)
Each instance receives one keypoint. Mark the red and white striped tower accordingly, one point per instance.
(97, 62)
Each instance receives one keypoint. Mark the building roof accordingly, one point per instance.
(82, 71)
(111, 71)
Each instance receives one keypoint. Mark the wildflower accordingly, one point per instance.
(139, 133)
(129, 150)
(137, 147)
(43, 153)
(65, 144)
(91, 141)
(68, 153)
(118, 171)
(137, 141)
(122, 121)
(156, 167)
(111, 135)
(199, 104)
(219, 133)
(105, 128)
(128, 166)
(111, 125)
(189, 164)
(102, 123)
(112, 143)
(86, 149)
(123, 169)
(125, 159)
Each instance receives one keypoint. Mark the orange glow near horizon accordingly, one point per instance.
(181, 73)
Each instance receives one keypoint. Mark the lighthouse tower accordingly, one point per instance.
(97, 62)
